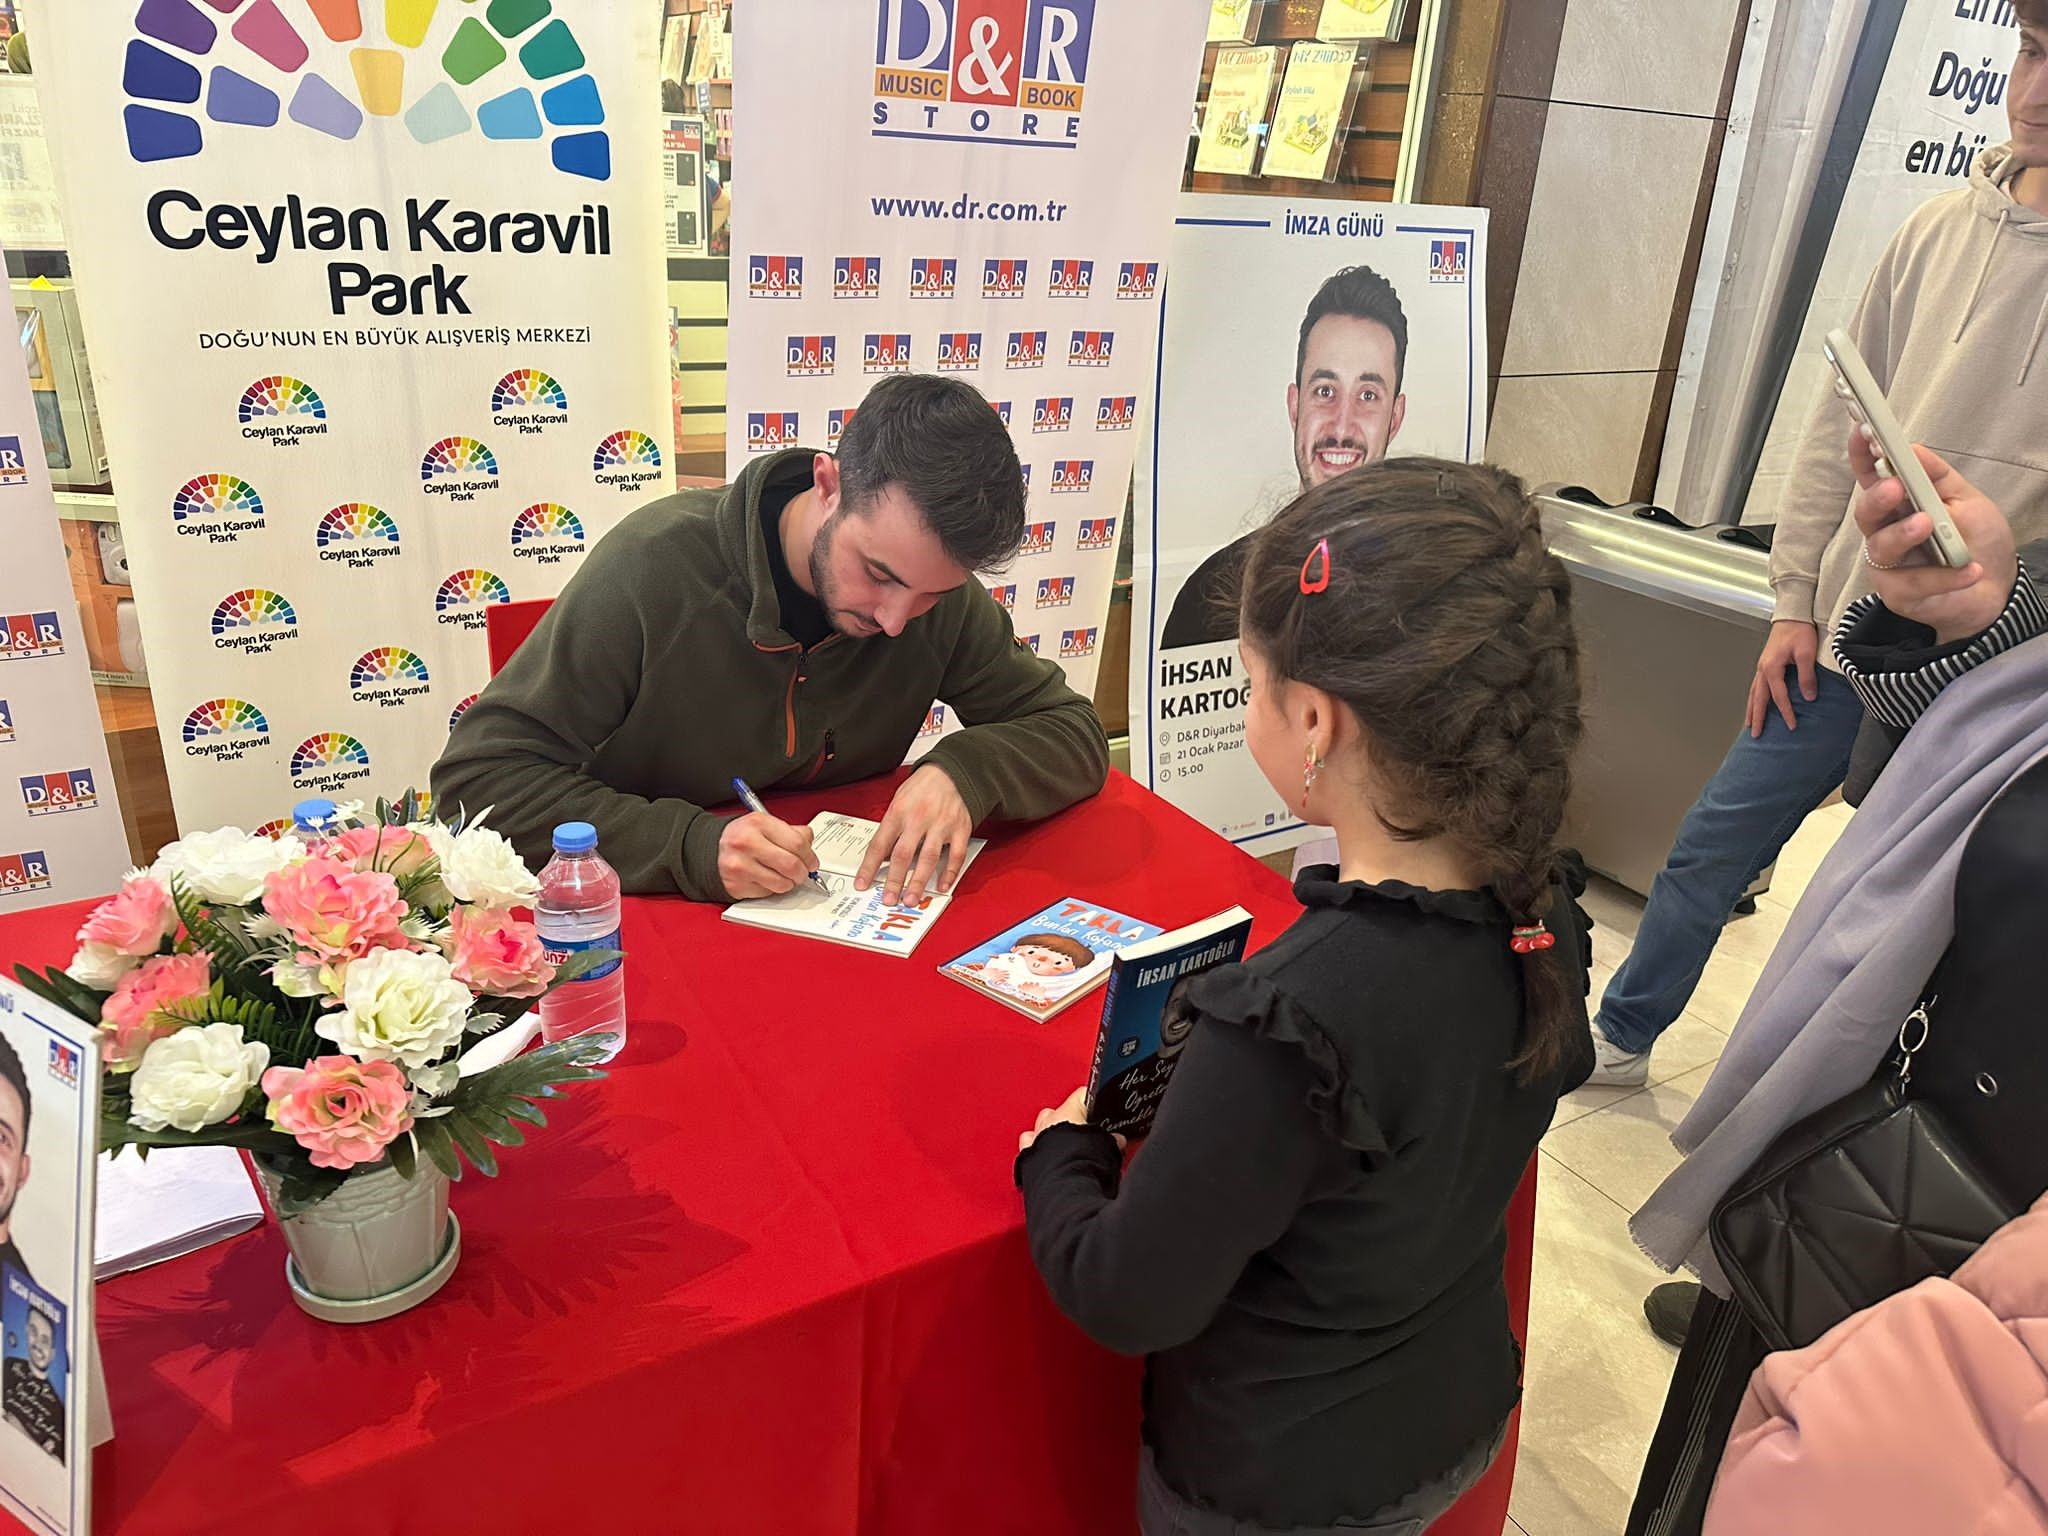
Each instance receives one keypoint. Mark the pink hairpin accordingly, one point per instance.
(1321, 581)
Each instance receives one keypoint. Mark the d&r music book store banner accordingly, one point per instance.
(379, 343)
(1281, 364)
(980, 188)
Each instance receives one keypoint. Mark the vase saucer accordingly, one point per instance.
(373, 1309)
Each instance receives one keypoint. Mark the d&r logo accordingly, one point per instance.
(990, 71)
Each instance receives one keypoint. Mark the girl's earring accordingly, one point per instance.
(1312, 765)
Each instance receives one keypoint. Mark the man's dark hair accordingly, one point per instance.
(944, 444)
(11, 1072)
(1362, 294)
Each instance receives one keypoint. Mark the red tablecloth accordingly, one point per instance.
(769, 1278)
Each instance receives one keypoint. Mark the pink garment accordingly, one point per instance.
(1925, 1413)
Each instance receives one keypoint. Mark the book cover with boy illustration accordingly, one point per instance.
(1050, 960)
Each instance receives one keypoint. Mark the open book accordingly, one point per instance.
(830, 908)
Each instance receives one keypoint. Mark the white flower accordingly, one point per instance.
(101, 966)
(226, 867)
(397, 1005)
(480, 866)
(296, 978)
(195, 1078)
(435, 1081)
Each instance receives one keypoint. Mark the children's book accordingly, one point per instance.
(1052, 959)
(830, 908)
(1145, 1019)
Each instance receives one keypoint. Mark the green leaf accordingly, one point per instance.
(383, 812)
(432, 1136)
(402, 1158)
(61, 991)
(496, 1107)
(582, 963)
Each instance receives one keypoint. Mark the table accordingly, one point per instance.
(769, 1278)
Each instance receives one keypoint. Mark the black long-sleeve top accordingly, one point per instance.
(1309, 1248)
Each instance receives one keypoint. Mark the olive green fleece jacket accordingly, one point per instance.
(663, 671)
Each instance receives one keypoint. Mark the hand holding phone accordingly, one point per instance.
(1867, 404)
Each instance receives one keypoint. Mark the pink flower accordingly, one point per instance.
(342, 1111)
(134, 1016)
(496, 953)
(136, 922)
(333, 912)
(398, 851)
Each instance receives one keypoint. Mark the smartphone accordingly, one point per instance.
(1895, 455)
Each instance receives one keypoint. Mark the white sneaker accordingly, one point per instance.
(1614, 1067)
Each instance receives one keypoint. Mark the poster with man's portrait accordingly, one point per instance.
(1300, 341)
(49, 1135)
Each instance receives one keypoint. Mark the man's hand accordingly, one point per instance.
(1793, 643)
(1956, 605)
(761, 856)
(926, 820)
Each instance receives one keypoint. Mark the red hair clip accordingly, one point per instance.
(1321, 581)
(1526, 941)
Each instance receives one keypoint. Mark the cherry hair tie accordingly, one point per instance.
(1319, 582)
(1528, 940)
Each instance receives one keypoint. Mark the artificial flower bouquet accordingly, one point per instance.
(308, 998)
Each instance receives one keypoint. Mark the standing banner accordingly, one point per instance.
(52, 1412)
(61, 837)
(374, 301)
(1942, 103)
(995, 206)
(1298, 341)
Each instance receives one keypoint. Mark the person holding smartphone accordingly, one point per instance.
(1952, 326)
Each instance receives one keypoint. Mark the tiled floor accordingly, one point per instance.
(1596, 1375)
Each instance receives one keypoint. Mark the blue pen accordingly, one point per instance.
(753, 803)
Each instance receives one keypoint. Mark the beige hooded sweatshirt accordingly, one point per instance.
(1952, 325)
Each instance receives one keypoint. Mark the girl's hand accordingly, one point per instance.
(1073, 1112)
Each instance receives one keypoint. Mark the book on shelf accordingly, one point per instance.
(1231, 121)
(1309, 117)
(1364, 20)
(829, 907)
(1050, 960)
(1233, 21)
(1146, 1021)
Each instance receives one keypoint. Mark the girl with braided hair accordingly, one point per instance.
(1309, 1249)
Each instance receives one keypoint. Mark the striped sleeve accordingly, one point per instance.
(1897, 672)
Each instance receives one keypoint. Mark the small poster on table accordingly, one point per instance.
(682, 185)
(1238, 92)
(1315, 103)
(49, 1143)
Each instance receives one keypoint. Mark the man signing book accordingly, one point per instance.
(790, 629)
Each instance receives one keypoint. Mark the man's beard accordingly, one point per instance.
(844, 620)
(7, 1206)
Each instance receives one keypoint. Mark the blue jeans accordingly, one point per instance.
(1764, 788)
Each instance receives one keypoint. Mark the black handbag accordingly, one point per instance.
(1855, 1203)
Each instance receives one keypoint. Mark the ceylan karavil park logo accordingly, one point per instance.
(225, 730)
(357, 535)
(282, 411)
(626, 460)
(982, 71)
(452, 83)
(387, 676)
(254, 621)
(547, 534)
(459, 468)
(527, 400)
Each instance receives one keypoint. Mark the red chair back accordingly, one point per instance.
(506, 626)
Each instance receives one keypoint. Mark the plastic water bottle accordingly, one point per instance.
(578, 909)
(316, 820)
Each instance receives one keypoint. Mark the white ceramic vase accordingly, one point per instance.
(379, 1244)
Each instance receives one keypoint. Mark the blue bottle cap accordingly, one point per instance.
(315, 815)
(575, 837)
